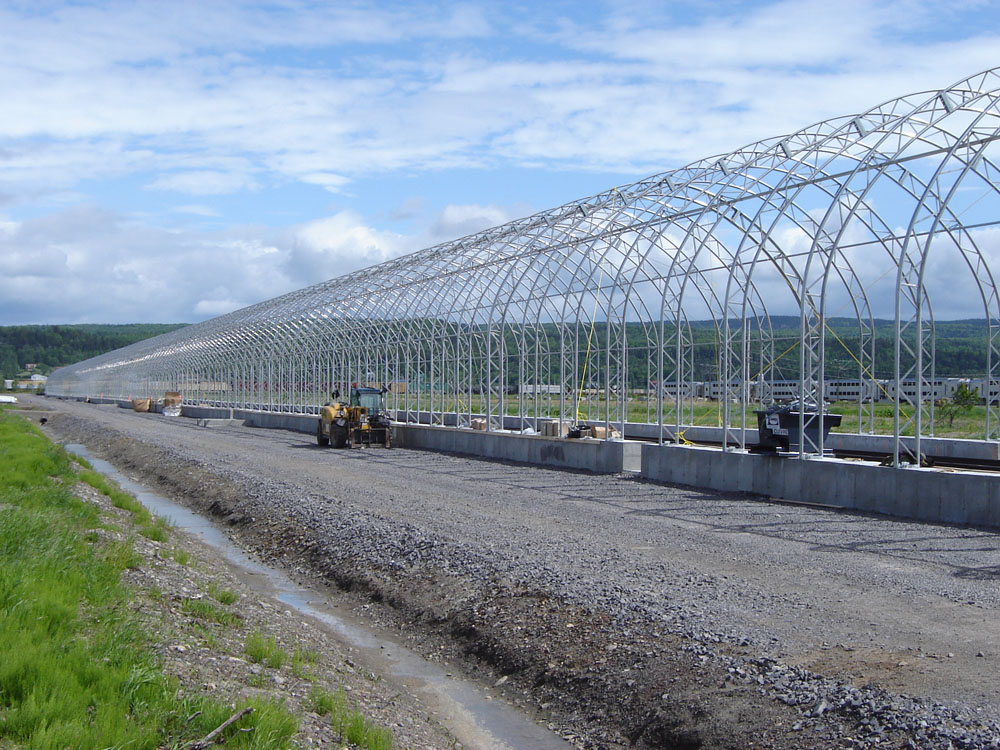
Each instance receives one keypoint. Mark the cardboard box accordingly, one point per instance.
(554, 429)
(479, 424)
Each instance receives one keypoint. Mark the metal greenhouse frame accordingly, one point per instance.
(616, 307)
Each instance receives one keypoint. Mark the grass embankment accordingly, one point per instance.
(76, 667)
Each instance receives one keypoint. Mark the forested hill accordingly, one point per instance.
(54, 346)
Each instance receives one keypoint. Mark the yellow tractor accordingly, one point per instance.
(363, 420)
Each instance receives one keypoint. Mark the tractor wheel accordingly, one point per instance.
(339, 435)
(321, 439)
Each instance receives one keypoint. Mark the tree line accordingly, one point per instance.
(51, 346)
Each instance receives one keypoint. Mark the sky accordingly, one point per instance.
(174, 161)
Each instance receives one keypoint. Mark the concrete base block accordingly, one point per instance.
(600, 456)
(920, 494)
(221, 422)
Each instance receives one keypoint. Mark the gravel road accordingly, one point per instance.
(628, 613)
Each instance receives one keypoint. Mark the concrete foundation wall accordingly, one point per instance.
(601, 456)
(607, 457)
(266, 419)
(921, 494)
(979, 450)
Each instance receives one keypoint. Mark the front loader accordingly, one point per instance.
(362, 421)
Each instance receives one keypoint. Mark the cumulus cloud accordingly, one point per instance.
(336, 245)
(113, 88)
(227, 99)
(85, 265)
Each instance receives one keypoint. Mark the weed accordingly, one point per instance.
(122, 555)
(259, 680)
(357, 730)
(222, 596)
(205, 634)
(81, 461)
(201, 609)
(156, 531)
(180, 556)
(349, 723)
(306, 655)
(324, 702)
(302, 659)
(264, 649)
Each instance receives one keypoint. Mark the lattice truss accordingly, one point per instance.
(731, 270)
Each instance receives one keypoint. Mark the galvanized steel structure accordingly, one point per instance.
(586, 310)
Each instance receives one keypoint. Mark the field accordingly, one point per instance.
(699, 412)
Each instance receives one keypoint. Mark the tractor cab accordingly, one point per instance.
(370, 398)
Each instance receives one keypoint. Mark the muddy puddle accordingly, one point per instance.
(477, 719)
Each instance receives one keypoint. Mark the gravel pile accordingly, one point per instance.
(631, 614)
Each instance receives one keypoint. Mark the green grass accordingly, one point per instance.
(80, 460)
(154, 529)
(222, 596)
(349, 723)
(205, 634)
(181, 556)
(77, 668)
(201, 609)
(325, 702)
(263, 649)
(118, 498)
(302, 660)
(158, 530)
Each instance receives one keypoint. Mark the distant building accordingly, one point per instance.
(8, 385)
(31, 366)
(35, 381)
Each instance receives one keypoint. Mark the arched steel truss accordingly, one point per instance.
(604, 308)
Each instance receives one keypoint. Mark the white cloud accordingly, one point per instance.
(203, 182)
(335, 245)
(116, 88)
(224, 98)
(197, 210)
(332, 182)
(461, 220)
(210, 308)
(86, 265)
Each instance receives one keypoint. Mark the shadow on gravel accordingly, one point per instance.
(980, 574)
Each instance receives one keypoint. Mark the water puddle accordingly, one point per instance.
(474, 717)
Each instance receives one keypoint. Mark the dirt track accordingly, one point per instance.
(627, 612)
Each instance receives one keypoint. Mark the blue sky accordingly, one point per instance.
(172, 161)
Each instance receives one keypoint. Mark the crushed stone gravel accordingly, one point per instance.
(629, 614)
